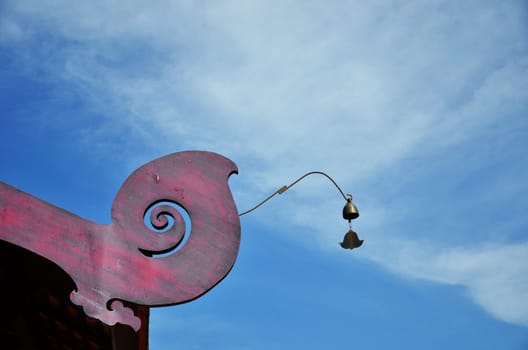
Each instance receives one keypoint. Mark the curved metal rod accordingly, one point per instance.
(285, 188)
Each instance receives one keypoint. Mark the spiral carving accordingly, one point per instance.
(151, 218)
(164, 216)
(113, 264)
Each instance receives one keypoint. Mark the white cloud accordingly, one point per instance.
(494, 274)
(10, 31)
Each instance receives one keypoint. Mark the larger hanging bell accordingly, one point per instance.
(351, 240)
(350, 211)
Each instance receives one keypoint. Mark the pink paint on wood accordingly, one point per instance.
(109, 263)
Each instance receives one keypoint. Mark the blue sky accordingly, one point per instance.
(417, 108)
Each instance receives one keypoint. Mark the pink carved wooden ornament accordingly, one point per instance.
(125, 260)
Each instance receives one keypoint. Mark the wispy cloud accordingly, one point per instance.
(494, 274)
(360, 90)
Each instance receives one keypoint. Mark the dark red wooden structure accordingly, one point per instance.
(112, 273)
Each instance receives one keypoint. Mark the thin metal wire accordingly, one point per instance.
(285, 188)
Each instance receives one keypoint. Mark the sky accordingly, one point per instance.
(416, 108)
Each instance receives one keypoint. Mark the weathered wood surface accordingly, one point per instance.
(113, 262)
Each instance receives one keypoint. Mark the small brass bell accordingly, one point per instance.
(350, 211)
(351, 240)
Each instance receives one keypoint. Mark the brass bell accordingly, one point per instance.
(350, 211)
(351, 240)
